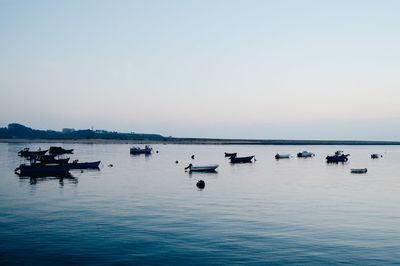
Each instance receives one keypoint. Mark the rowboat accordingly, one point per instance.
(137, 150)
(202, 168)
(282, 156)
(86, 165)
(305, 154)
(359, 171)
(338, 157)
(27, 153)
(247, 159)
(233, 154)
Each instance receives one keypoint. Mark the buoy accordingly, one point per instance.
(156, 151)
(200, 184)
(176, 162)
(192, 156)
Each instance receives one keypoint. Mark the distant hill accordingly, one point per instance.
(18, 131)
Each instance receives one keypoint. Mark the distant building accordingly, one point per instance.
(68, 130)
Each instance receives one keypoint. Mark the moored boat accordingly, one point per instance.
(247, 159)
(338, 157)
(282, 156)
(47, 159)
(137, 150)
(228, 154)
(201, 168)
(51, 168)
(359, 171)
(24, 169)
(305, 154)
(27, 153)
(376, 156)
(86, 165)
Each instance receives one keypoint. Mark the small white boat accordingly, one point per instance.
(202, 168)
(359, 171)
(375, 156)
(305, 154)
(282, 156)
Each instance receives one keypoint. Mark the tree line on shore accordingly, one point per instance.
(18, 131)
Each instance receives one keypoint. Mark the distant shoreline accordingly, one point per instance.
(199, 141)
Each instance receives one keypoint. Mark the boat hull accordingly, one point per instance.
(337, 159)
(359, 171)
(247, 159)
(205, 168)
(282, 156)
(55, 168)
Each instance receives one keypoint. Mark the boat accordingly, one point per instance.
(54, 168)
(48, 159)
(282, 156)
(27, 153)
(236, 159)
(338, 157)
(359, 171)
(86, 165)
(375, 156)
(201, 168)
(228, 154)
(305, 154)
(38, 168)
(137, 150)
(60, 151)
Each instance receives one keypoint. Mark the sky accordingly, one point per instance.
(223, 69)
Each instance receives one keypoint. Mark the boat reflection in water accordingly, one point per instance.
(35, 178)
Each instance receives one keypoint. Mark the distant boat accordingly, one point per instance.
(236, 159)
(305, 154)
(282, 156)
(27, 153)
(137, 150)
(202, 168)
(338, 157)
(375, 156)
(60, 151)
(359, 171)
(227, 154)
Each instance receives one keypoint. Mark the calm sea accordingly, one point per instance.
(147, 209)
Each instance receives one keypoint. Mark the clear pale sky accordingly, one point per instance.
(230, 69)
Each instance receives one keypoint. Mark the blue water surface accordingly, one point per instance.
(147, 209)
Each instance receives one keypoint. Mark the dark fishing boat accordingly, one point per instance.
(54, 168)
(38, 168)
(47, 159)
(236, 159)
(137, 150)
(60, 151)
(227, 154)
(86, 165)
(338, 157)
(27, 153)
